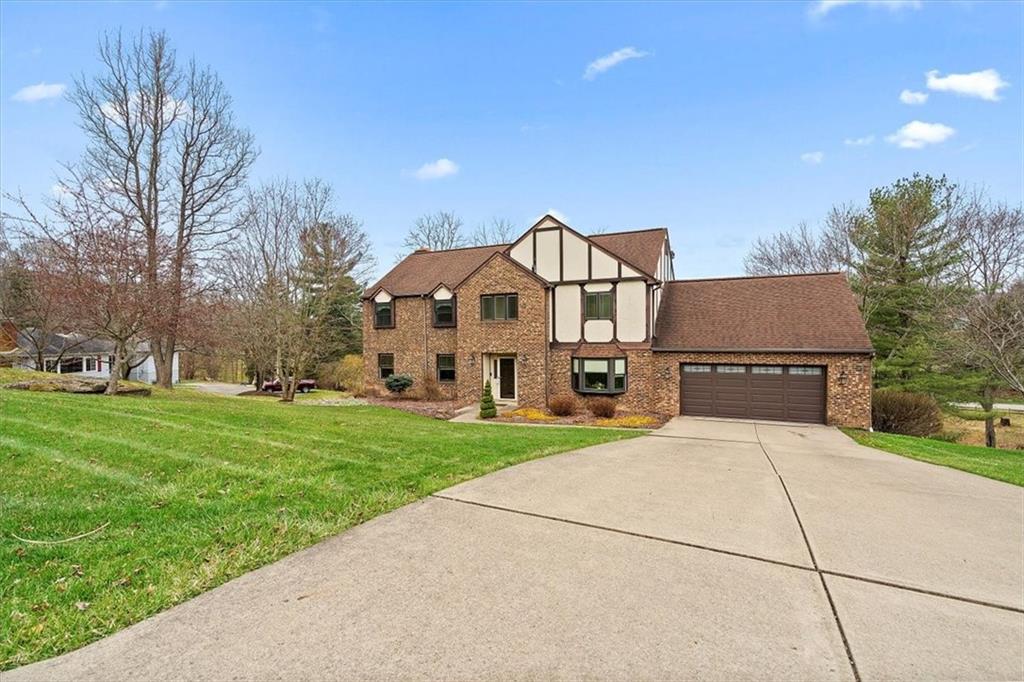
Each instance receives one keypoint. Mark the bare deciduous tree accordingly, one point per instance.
(95, 253)
(435, 231)
(498, 231)
(162, 138)
(984, 320)
(292, 260)
(805, 249)
(34, 298)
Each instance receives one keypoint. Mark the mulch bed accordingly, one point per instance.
(438, 409)
(582, 418)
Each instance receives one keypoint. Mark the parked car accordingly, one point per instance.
(304, 385)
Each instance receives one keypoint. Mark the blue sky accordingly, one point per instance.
(722, 122)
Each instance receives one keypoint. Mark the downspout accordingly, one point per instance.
(426, 343)
(547, 345)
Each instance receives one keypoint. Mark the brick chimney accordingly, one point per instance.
(422, 249)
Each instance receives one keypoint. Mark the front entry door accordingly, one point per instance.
(507, 378)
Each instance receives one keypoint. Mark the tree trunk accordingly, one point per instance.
(288, 389)
(163, 360)
(116, 370)
(990, 426)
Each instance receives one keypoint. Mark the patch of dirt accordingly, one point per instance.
(438, 409)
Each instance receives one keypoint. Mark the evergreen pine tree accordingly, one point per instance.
(488, 410)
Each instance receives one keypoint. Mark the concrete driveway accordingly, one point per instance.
(712, 550)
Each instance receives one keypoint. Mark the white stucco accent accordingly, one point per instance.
(443, 294)
(631, 311)
(629, 272)
(597, 331)
(523, 252)
(575, 256)
(603, 265)
(382, 297)
(598, 286)
(567, 312)
(547, 254)
(547, 222)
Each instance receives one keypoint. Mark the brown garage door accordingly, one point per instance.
(785, 393)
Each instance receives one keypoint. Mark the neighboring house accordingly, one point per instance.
(78, 355)
(557, 312)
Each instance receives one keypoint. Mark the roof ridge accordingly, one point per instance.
(735, 277)
(639, 229)
(457, 248)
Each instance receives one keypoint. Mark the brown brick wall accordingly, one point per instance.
(526, 338)
(639, 365)
(414, 340)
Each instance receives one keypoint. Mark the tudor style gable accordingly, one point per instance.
(604, 288)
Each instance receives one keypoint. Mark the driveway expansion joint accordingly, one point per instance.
(620, 531)
(814, 561)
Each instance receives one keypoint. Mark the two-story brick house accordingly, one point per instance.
(556, 312)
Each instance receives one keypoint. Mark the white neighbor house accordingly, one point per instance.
(90, 358)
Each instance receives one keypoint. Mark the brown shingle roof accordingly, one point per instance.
(785, 313)
(421, 272)
(642, 248)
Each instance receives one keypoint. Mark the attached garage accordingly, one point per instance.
(778, 392)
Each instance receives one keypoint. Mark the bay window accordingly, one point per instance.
(599, 375)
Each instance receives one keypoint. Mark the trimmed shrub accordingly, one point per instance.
(603, 408)
(398, 383)
(563, 405)
(488, 410)
(905, 413)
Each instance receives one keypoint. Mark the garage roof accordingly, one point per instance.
(786, 313)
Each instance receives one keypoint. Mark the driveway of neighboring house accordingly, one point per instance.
(711, 549)
(220, 388)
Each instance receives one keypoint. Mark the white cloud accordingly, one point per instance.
(812, 158)
(912, 97)
(41, 91)
(918, 134)
(859, 141)
(984, 84)
(436, 169)
(602, 64)
(823, 7)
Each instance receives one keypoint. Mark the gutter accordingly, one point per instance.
(832, 351)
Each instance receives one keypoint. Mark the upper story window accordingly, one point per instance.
(444, 312)
(499, 307)
(599, 375)
(384, 314)
(598, 305)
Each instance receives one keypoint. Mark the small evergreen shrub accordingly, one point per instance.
(398, 383)
(905, 413)
(602, 408)
(563, 405)
(488, 410)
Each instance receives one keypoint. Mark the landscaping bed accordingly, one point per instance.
(532, 415)
(438, 409)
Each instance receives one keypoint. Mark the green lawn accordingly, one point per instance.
(1002, 465)
(198, 489)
